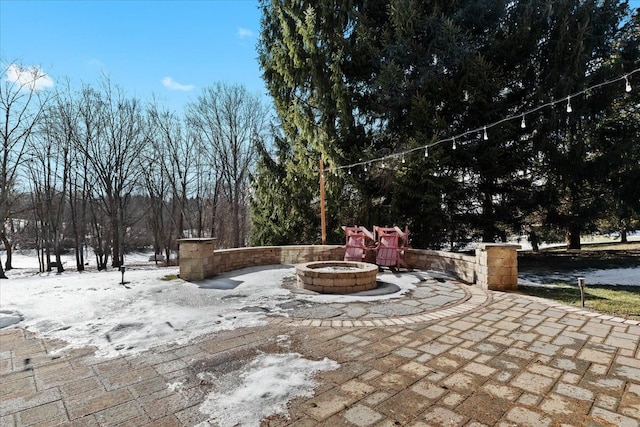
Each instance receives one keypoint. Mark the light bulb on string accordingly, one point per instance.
(523, 124)
(349, 171)
(382, 164)
(453, 146)
(295, 178)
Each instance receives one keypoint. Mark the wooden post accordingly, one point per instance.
(323, 222)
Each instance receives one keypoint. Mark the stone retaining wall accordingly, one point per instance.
(494, 266)
(460, 265)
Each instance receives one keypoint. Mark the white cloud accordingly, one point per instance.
(30, 76)
(244, 33)
(95, 63)
(168, 82)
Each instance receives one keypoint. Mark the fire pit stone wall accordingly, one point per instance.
(337, 277)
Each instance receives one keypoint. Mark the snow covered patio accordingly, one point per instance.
(248, 347)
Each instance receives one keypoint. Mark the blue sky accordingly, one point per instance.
(171, 49)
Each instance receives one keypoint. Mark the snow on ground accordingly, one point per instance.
(25, 263)
(261, 389)
(610, 277)
(632, 236)
(94, 309)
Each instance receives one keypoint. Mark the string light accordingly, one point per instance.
(521, 115)
(403, 161)
(453, 146)
(349, 171)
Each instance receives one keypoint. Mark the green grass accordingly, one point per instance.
(620, 301)
(170, 277)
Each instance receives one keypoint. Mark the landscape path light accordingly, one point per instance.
(581, 286)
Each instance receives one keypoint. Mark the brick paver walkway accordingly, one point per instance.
(496, 359)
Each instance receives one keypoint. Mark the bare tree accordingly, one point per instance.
(175, 159)
(111, 146)
(229, 119)
(21, 106)
(49, 167)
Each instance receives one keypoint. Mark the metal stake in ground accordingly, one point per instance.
(581, 286)
(122, 268)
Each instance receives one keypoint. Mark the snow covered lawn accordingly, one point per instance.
(609, 277)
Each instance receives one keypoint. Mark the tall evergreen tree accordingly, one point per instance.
(303, 49)
(365, 79)
(578, 50)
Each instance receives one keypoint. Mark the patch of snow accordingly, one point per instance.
(177, 386)
(93, 309)
(9, 317)
(262, 388)
(25, 262)
(609, 277)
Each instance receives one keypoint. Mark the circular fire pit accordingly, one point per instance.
(337, 277)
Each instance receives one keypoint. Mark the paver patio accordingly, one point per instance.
(491, 358)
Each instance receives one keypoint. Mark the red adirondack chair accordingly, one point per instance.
(356, 243)
(391, 244)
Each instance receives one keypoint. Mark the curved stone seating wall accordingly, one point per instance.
(459, 265)
(494, 266)
(199, 260)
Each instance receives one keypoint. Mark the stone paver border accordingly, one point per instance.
(476, 298)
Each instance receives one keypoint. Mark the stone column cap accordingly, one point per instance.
(197, 239)
(498, 245)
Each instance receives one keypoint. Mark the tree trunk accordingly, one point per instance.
(79, 257)
(533, 238)
(623, 235)
(56, 241)
(9, 249)
(115, 230)
(488, 228)
(573, 237)
(2, 274)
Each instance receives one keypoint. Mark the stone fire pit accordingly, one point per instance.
(337, 277)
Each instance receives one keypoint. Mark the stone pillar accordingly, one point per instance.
(196, 258)
(497, 266)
